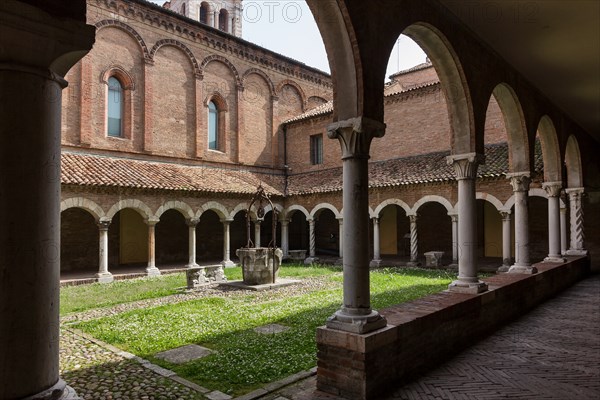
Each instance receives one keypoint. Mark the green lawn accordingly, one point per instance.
(244, 360)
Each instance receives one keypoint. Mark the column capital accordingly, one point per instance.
(574, 191)
(375, 220)
(104, 224)
(506, 215)
(552, 188)
(152, 221)
(453, 217)
(355, 135)
(465, 165)
(520, 181)
(284, 221)
(192, 222)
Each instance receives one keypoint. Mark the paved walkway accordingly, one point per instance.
(551, 353)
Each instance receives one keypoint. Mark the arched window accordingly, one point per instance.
(213, 126)
(224, 20)
(204, 13)
(114, 113)
(183, 9)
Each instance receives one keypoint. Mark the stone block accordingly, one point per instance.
(200, 276)
(433, 259)
(260, 265)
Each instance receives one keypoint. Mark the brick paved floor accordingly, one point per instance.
(551, 353)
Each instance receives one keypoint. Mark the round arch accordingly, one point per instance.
(384, 204)
(323, 206)
(80, 202)
(293, 84)
(453, 81)
(433, 199)
(573, 163)
(180, 46)
(262, 74)
(278, 208)
(221, 59)
(128, 29)
(550, 150)
(135, 204)
(178, 205)
(242, 207)
(490, 199)
(288, 212)
(218, 208)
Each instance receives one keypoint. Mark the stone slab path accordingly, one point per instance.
(551, 353)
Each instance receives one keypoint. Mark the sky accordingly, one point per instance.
(288, 27)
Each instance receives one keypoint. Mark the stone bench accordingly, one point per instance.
(297, 255)
(433, 259)
(200, 276)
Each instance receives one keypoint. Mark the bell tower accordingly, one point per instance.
(225, 15)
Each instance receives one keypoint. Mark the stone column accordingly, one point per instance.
(414, 242)
(312, 242)
(341, 240)
(576, 216)
(151, 270)
(506, 241)
(355, 136)
(227, 263)
(553, 190)
(103, 275)
(285, 241)
(37, 51)
(520, 183)
(465, 166)
(454, 219)
(376, 261)
(216, 19)
(257, 232)
(563, 231)
(191, 223)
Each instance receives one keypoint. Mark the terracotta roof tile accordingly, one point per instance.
(104, 171)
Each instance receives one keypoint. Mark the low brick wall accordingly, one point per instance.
(423, 333)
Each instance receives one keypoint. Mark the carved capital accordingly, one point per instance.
(152, 221)
(520, 181)
(355, 135)
(552, 188)
(454, 217)
(465, 165)
(413, 219)
(104, 224)
(575, 193)
(505, 215)
(192, 222)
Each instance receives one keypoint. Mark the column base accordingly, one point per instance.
(356, 323)
(104, 277)
(152, 271)
(193, 265)
(60, 391)
(577, 252)
(311, 260)
(468, 287)
(453, 266)
(503, 269)
(554, 259)
(228, 264)
(375, 264)
(413, 264)
(339, 261)
(520, 269)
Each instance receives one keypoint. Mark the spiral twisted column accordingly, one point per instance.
(576, 215)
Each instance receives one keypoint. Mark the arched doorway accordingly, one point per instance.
(78, 244)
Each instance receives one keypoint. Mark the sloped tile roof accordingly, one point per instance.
(105, 171)
(426, 168)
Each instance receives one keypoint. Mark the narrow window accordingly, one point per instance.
(115, 108)
(223, 19)
(316, 149)
(204, 13)
(213, 126)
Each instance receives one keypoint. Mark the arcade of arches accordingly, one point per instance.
(444, 157)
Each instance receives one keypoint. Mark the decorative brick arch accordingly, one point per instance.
(221, 59)
(135, 204)
(384, 204)
(433, 199)
(180, 46)
(262, 74)
(278, 208)
(287, 213)
(573, 163)
(180, 206)
(242, 207)
(80, 202)
(325, 206)
(218, 208)
(293, 84)
(490, 199)
(550, 150)
(219, 100)
(121, 74)
(120, 25)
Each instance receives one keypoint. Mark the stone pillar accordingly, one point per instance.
(148, 105)
(376, 261)
(341, 240)
(285, 242)
(216, 19)
(563, 231)
(103, 275)
(553, 190)
(576, 216)
(37, 50)
(454, 219)
(465, 166)
(191, 223)
(227, 263)
(257, 232)
(151, 270)
(520, 183)
(355, 136)
(414, 242)
(506, 242)
(312, 242)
